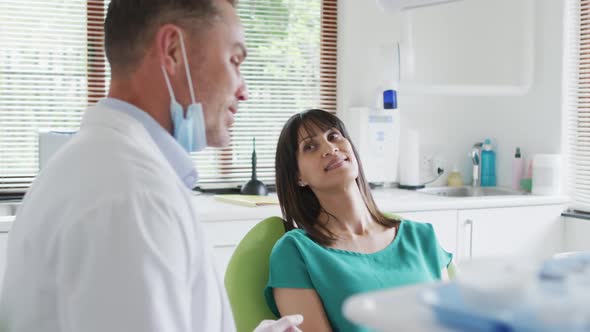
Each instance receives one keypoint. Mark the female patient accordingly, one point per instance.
(339, 243)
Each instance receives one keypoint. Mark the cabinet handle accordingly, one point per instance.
(469, 223)
(225, 245)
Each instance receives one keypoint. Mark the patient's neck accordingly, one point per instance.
(347, 205)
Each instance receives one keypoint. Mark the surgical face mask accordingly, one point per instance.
(189, 130)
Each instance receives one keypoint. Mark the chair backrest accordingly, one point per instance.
(247, 274)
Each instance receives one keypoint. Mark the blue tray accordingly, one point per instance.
(451, 310)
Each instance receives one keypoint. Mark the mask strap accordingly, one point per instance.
(188, 74)
(168, 82)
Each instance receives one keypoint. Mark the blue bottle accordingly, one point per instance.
(488, 165)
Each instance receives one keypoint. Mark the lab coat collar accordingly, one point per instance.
(123, 116)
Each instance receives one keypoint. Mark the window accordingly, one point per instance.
(52, 67)
(291, 66)
(577, 102)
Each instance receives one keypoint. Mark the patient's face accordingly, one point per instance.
(325, 159)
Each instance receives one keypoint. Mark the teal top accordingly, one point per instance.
(296, 261)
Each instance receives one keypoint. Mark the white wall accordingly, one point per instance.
(449, 125)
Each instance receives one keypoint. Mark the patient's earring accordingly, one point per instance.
(301, 183)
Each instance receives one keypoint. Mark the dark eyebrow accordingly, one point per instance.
(330, 130)
(306, 138)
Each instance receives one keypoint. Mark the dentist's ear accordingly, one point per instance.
(168, 48)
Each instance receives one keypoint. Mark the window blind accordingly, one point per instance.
(291, 66)
(50, 58)
(577, 102)
(52, 66)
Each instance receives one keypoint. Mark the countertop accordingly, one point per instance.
(388, 199)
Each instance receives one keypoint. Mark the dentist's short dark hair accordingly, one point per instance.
(131, 24)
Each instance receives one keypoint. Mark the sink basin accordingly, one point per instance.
(8, 208)
(467, 191)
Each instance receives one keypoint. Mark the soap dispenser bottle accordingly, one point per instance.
(517, 169)
(488, 165)
(455, 179)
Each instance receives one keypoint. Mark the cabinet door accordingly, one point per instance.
(444, 223)
(3, 240)
(576, 234)
(225, 236)
(222, 254)
(481, 47)
(532, 231)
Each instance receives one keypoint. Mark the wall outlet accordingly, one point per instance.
(430, 165)
(426, 167)
(431, 159)
(439, 163)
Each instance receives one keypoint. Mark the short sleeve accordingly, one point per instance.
(287, 268)
(433, 254)
(443, 257)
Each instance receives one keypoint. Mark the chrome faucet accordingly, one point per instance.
(476, 159)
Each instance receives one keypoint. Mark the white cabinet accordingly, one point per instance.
(476, 47)
(3, 242)
(221, 256)
(577, 233)
(444, 223)
(511, 231)
(535, 231)
(225, 236)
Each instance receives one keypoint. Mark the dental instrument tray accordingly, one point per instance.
(451, 310)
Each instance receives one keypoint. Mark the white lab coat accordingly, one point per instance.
(107, 240)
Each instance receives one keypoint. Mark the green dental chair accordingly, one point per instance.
(247, 274)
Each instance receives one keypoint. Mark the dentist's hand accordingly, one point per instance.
(285, 324)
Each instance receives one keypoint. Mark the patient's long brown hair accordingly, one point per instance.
(299, 205)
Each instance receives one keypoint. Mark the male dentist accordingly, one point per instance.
(107, 237)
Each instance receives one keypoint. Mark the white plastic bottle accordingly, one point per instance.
(546, 174)
(517, 169)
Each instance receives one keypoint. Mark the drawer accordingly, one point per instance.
(3, 243)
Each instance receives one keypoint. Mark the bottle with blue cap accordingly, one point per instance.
(390, 99)
(488, 165)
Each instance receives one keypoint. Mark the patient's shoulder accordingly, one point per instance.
(290, 247)
(294, 237)
(417, 226)
(418, 230)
